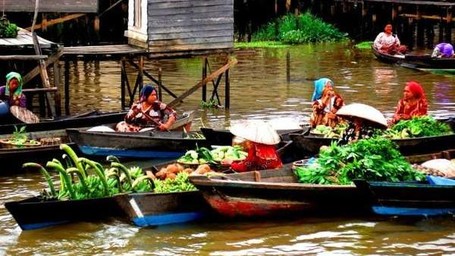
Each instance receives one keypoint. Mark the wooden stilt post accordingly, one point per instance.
(67, 85)
(160, 84)
(204, 75)
(420, 29)
(448, 37)
(123, 82)
(227, 89)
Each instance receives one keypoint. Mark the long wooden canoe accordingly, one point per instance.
(423, 62)
(12, 157)
(277, 193)
(148, 145)
(311, 144)
(91, 118)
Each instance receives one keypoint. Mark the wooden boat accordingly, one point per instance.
(13, 156)
(311, 144)
(409, 198)
(422, 62)
(155, 209)
(276, 193)
(151, 144)
(92, 118)
(35, 213)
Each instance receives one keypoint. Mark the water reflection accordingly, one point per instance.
(259, 89)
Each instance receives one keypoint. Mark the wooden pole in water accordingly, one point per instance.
(288, 67)
(204, 75)
(227, 88)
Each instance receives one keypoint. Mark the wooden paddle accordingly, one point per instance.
(24, 115)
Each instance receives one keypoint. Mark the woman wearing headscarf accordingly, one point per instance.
(413, 103)
(443, 50)
(148, 112)
(11, 93)
(325, 104)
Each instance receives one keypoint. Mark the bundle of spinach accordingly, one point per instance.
(374, 159)
(420, 126)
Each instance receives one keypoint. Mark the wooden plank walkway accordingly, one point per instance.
(24, 39)
(103, 51)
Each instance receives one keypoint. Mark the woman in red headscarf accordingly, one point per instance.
(413, 103)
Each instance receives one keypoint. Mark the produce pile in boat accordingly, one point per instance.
(81, 178)
(203, 155)
(420, 126)
(374, 159)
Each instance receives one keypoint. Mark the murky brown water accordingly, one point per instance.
(259, 89)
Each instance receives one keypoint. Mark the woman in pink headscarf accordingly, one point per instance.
(413, 103)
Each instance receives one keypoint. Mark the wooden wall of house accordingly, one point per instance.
(68, 6)
(176, 26)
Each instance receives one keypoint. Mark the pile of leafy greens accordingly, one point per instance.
(374, 159)
(420, 126)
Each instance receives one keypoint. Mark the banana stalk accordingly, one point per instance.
(45, 174)
(125, 170)
(66, 178)
(73, 157)
(81, 177)
(98, 171)
(138, 181)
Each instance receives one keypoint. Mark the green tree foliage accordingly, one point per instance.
(300, 29)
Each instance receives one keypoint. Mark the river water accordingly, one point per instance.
(260, 89)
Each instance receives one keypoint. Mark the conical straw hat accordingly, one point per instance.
(257, 131)
(363, 111)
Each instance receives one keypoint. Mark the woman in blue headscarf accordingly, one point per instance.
(325, 104)
(148, 112)
(11, 93)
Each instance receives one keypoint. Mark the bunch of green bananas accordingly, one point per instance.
(7, 29)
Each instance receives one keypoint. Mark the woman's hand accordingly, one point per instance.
(226, 162)
(164, 127)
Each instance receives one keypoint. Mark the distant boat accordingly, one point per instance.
(423, 62)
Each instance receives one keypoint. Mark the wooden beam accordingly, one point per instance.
(209, 78)
(428, 17)
(23, 57)
(56, 21)
(34, 72)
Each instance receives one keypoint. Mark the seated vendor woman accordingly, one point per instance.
(387, 42)
(413, 103)
(148, 112)
(260, 143)
(325, 104)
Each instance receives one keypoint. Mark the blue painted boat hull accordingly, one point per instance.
(130, 153)
(409, 198)
(408, 211)
(36, 213)
(156, 209)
